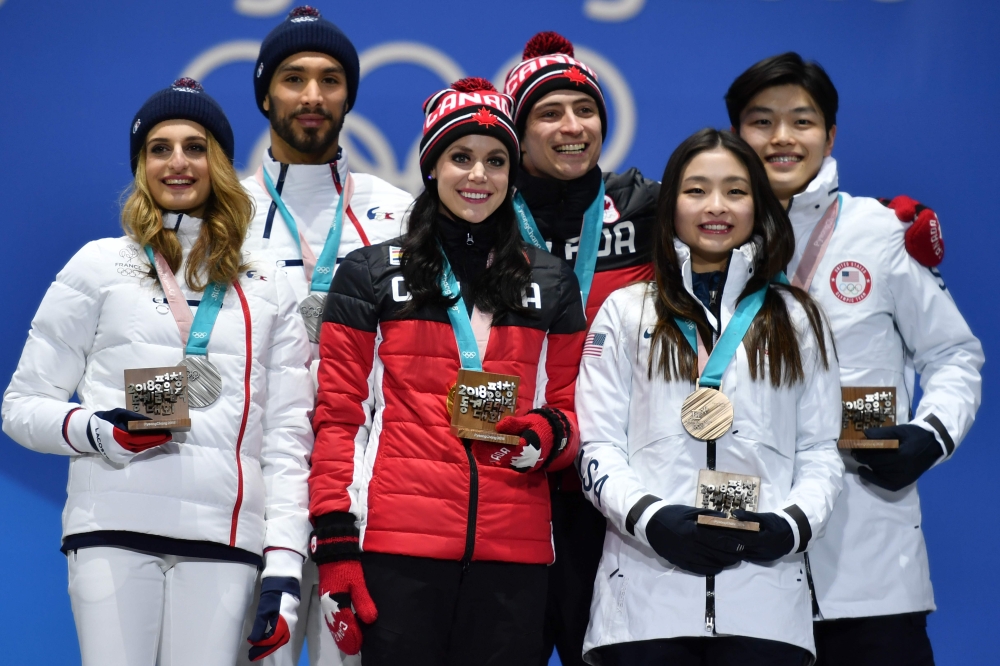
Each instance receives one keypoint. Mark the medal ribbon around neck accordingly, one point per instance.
(590, 237)
(319, 272)
(204, 379)
(819, 241)
(461, 323)
(197, 329)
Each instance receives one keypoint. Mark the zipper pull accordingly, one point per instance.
(468, 238)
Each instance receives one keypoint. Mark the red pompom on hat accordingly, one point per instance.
(473, 84)
(547, 43)
(468, 106)
(550, 64)
(304, 10)
(187, 83)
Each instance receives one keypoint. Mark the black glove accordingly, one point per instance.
(675, 535)
(774, 540)
(895, 469)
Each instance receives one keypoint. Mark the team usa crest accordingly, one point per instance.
(851, 282)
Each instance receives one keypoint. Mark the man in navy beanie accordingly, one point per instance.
(311, 210)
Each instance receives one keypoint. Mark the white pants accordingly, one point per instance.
(323, 649)
(138, 609)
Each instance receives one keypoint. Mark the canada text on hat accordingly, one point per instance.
(549, 64)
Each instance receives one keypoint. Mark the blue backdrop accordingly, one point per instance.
(919, 95)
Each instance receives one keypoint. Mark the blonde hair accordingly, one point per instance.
(217, 254)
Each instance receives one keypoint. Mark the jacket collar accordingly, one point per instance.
(737, 275)
(186, 227)
(306, 180)
(558, 206)
(808, 207)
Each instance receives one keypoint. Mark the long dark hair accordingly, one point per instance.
(498, 289)
(771, 342)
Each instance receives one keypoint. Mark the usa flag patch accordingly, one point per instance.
(593, 345)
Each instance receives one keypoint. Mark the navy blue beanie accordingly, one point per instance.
(184, 100)
(304, 30)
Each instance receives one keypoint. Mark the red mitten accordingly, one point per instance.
(544, 433)
(342, 589)
(342, 593)
(923, 239)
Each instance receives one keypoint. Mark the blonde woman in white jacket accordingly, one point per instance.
(718, 320)
(164, 531)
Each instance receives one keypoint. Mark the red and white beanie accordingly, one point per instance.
(549, 65)
(469, 106)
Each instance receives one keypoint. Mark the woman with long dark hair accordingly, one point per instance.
(164, 531)
(440, 541)
(713, 499)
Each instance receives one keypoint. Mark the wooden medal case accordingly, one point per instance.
(478, 401)
(161, 394)
(867, 407)
(726, 492)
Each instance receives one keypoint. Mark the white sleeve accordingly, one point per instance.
(288, 435)
(36, 403)
(602, 407)
(946, 355)
(818, 475)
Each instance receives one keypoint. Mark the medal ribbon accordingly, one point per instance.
(461, 324)
(590, 237)
(197, 329)
(711, 369)
(319, 272)
(819, 241)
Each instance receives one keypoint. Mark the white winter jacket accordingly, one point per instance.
(239, 476)
(633, 444)
(890, 315)
(311, 193)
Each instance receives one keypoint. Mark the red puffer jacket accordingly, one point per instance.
(384, 451)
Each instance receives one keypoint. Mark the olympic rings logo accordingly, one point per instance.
(380, 158)
(200, 335)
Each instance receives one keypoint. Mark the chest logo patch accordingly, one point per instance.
(611, 213)
(851, 282)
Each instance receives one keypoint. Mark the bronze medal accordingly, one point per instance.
(707, 414)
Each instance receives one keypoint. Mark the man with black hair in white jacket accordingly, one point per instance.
(312, 210)
(892, 318)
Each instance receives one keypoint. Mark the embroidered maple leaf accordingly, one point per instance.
(485, 118)
(575, 75)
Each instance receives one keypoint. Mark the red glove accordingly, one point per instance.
(544, 433)
(342, 589)
(923, 239)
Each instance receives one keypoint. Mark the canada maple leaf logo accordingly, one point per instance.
(485, 118)
(575, 75)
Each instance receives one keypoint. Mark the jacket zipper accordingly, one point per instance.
(470, 534)
(710, 580)
(812, 588)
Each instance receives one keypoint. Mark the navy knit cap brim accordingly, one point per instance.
(184, 100)
(305, 31)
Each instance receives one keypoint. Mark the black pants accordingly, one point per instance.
(434, 613)
(578, 534)
(725, 651)
(900, 640)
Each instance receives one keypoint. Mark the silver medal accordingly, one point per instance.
(204, 381)
(311, 310)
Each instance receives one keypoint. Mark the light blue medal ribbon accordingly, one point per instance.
(590, 237)
(725, 348)
(204, 379)
(322, 276)
(468, 350)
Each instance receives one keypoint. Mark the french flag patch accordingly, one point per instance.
(593, 345)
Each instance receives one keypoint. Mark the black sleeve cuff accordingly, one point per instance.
(935, 422)
(335, 538)
(805, 530)
(637, 510)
